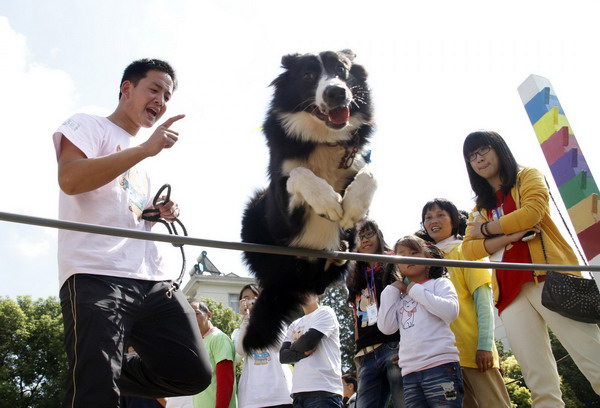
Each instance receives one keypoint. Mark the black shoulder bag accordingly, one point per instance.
(571, 296)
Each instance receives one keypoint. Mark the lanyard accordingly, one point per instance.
(498, 215)
(371, 284)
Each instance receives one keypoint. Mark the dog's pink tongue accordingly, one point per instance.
(339, 115)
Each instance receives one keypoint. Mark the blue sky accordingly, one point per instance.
(438, 70)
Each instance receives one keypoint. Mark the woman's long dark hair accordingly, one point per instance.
(356, 278)
(485, 196)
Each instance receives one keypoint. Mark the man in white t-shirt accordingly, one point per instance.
(312, 344)
(114, 291)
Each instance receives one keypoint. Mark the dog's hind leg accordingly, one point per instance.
(273, 309)
(334, 272)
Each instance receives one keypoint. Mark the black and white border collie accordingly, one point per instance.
(318, 123)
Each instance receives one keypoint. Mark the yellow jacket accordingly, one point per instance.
(531, 197)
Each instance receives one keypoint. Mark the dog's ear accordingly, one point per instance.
(348, 54)
(288, 60)
(286, 63)
(281, 77)
(358, 71)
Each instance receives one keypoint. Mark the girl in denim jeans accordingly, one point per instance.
(376, 358)
(423, 311)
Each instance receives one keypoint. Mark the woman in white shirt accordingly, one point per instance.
(264, 381)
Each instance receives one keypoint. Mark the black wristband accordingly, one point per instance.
(484, 230)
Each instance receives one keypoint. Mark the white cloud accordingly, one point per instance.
(35, 100)
(439, 70)
(33, 249)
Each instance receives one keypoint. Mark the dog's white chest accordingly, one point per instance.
(324, 162)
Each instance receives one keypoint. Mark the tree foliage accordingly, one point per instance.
(576, 389)
(32, 359)
(520, 396)
(223, 317)
(335, 297)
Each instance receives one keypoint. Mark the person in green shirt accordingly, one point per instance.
(221, 352)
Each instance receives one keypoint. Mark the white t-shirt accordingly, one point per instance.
(264, 380)
(119, 203)
(322, 370)
(424, 319)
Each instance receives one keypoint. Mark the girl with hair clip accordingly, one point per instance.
(474, 329)
(379, 376)
(423, 311)
(264, 381)
(511, 222)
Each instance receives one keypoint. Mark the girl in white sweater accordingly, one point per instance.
(423, 311)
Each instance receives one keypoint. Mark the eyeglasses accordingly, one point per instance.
(367, 235)
(482, 151)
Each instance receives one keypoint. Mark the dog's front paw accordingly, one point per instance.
(357, 198)
(305, 187)
(352, 216)
(327, 204)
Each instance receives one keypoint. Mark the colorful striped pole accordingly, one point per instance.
(567, 163)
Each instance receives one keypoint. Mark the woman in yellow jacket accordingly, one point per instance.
(444, 225)
(512, 204)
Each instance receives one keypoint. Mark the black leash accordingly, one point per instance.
(153, 215)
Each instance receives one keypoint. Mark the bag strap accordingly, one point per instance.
(565, 224)
(568, 230)
(543, 247)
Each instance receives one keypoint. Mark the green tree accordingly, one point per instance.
(520, 396)
(33, 364)
(577, 391)
(223, 317)
(335, 297)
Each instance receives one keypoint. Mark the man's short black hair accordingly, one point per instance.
(139, 69)
(350, 379)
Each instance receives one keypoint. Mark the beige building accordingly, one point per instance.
(207, 281)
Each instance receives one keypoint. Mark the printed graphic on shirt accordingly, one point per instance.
(407, 312)
(366, 301)
(136, 185)
(261, 358)
(70, 123)
(362, 303)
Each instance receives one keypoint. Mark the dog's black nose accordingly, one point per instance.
(335, 95)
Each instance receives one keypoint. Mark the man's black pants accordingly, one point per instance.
(103, 315)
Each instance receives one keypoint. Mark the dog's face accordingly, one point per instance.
(326, 91)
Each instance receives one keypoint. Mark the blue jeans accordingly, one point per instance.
(440, 386)
(317, 400)
(379, 377)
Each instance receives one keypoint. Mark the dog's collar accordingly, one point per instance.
(350, 150)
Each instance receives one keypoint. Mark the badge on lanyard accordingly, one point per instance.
(498, 213)
(372, 314)
(372, 306)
